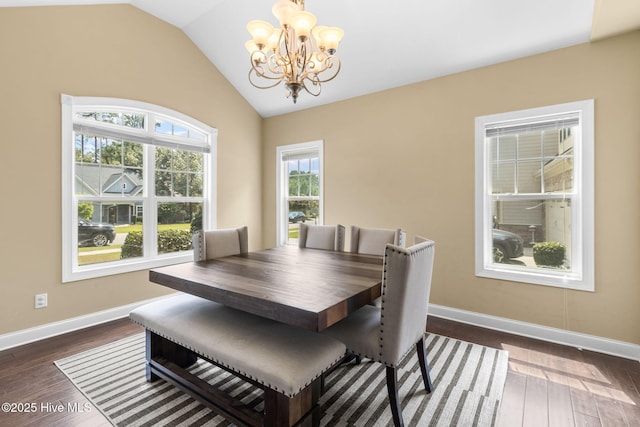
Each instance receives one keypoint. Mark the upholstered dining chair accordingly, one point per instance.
(372, 241)
(327, 237)
(211, 244)
(386, 334)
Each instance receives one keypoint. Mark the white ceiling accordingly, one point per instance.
(386, 47)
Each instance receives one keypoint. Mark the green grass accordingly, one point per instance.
(98, 258)
(97, 248)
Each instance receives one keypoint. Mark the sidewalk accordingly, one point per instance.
(119, 240)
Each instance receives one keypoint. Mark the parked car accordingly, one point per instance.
(296, 216)
(506, 245)
(95, 234)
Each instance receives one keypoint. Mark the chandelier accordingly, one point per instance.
(299, 53)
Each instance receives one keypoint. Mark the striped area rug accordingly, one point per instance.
(468, 379)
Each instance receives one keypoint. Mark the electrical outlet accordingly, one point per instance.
(41, 300)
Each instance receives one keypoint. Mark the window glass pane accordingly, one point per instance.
(195, 185)
(503, 148)
(558, 175)
(314, 185)
(163, 158)
(529, 145)
(163, 184)
(110, 151)
(169, 128)
(132, 154)
(303, 166)
(180, 184)
(292, 165)
(99, 241)
(503, 178)
(301, 211)
(164, 127)
(528, 176)
(519, 225)
(175, 225)
(179, 173)
(132, 120)
(99, 167)
(195, 162)
(180, 131)
(294, 184)
(315, 165)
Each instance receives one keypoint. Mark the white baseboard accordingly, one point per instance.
(558, 336)
(37, 333)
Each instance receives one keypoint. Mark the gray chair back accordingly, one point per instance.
(211, 244)
(372, 241)
(406, 285)
(327, 237)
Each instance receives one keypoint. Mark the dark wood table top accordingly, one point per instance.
(309, 288)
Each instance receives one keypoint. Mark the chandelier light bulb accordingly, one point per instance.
(331, 37)
(251, 46)
(316, 35)
(302, 22)
(260, 31)
(274, 39)
(283, 11)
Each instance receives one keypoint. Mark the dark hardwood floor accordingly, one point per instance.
(547, 384)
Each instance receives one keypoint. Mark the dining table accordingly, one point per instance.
(309, 288)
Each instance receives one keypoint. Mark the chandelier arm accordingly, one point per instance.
(331, 65)
(276, 80)
(314, 83)
(260, 72)
(258, 62)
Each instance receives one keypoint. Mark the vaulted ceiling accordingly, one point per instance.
(389, 44)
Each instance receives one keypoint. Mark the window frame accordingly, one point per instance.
(70, 105)
(582, 274)
(282, 222)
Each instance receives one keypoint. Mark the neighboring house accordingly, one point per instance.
(547, 220)
(103, 180)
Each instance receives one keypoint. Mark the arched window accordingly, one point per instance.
(138, 179)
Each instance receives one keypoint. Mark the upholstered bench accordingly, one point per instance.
(287, 362)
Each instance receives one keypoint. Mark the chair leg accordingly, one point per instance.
(424, 366)
(392, 388)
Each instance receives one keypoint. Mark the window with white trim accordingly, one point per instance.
(534, 195)
(137, 180)
(298, 189)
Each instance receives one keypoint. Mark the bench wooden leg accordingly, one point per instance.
(300, 410)
(157, 346)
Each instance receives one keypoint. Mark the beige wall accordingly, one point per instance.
(114, 51)
(402, 157)
(405, 158)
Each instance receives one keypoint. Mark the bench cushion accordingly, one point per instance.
(281, 357)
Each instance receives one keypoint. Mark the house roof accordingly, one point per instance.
(96, 179)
